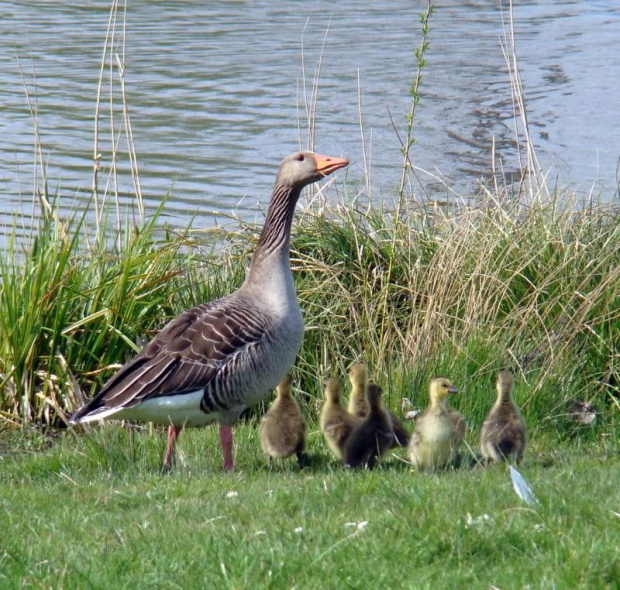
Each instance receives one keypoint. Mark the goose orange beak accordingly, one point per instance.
(326, 164)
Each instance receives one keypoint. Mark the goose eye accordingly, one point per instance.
(300, 157)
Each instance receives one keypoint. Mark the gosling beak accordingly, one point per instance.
(453, 389)
(326, 164)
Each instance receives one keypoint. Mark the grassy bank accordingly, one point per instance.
(422, 289)
(105, 517)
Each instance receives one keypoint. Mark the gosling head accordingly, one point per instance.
(302, 168)
(285, 386)
(358, 375)
(373, 395)
(504, 383)
(333, 390)
(440, 388)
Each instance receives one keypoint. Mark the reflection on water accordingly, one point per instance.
(213, 90)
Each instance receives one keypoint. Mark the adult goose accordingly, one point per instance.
(216, 359)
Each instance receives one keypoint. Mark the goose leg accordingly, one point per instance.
(226, 438)
(173, 434)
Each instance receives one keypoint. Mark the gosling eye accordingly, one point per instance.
(444, 385)
(300, 158)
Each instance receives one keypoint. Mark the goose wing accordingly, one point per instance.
(185, 356)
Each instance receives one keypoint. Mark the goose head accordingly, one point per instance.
(358, 375)
(440, 388)
(284, 387)
(303, 168)
(333, 390)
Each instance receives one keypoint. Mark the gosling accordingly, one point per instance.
(336, 423)
(373, 437)
(503, 435)
(439, 430)
(358, 376)
(358, 406)
(283, 428)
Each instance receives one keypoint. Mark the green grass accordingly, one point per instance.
(94, 512)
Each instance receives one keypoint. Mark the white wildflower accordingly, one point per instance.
(471, 521)
(360, 526)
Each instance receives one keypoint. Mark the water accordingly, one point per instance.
(213, 91)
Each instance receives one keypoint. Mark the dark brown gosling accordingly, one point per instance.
(336, 423)
(358, 406)
(373, 437)
(283, 429)
(503, 436)
(401, 434)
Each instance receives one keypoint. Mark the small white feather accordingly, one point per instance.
(522, 488)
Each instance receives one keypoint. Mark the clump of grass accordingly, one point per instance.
(71, 310)
(461, 290)
(467, 290)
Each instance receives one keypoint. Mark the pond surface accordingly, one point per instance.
(215, 92)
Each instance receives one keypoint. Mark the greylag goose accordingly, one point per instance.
(336, 423)
(375, 435)
(503, 432)
(439, 430)
(358, 406)
(216, 359)
(282, 429)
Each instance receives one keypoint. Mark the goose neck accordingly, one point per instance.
(504, 396)
(438, 404)
(374, 405)
(276, 232)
